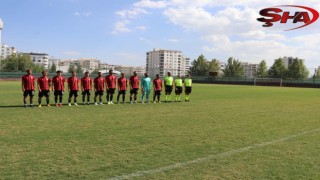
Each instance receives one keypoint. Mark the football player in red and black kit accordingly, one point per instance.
(157, 85)
(122, 88)
(86, 84)
(28, 86)
(44, 84)
(98, 88)
(73, 87)
(58, 87)
(134, 86)
(111, 81)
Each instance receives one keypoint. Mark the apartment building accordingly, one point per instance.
(160, 61)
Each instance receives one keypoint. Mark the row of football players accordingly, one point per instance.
(100, 84)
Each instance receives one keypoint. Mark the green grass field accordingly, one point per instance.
(225, 132)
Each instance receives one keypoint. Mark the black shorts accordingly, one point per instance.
(98, 93)
(178, 90)
(45, 93)
(58, 93)
(168, 89)
(73, 93)
(86, 92)
(157, 92)
(111, 90)
(28, 93)
(122, 92)
(188, 90)
(134, 91)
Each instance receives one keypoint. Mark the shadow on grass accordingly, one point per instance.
(14, 106)
(22, 106)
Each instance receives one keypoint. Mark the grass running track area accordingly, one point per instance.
(238, 132)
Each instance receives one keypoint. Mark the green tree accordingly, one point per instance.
(262, 70)
(36, 68)
(79, 69)
(316, 74)
(10, 63)
(71, 68)
(200, 66)
(297, 70)
(17, 62)
(24, 62)
(214, 66)
(75, 67)
(233, 68)
(95, 71)
(53, 68)
(278, 69)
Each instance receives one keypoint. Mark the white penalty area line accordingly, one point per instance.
(211, 157)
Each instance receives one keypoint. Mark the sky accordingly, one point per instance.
(122, 31)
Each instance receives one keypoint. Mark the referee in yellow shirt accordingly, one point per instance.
(187, 87)
(168, 84)
(178, 88)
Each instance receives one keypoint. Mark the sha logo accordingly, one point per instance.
(301, 15)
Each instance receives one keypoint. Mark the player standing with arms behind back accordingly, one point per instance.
(58, 87)
(157, 86)
(73, 87)
(187, 87)
(145, 88)
(122, 88)
(111, 81)
(86, 84)
(98, 88)
(28, 83)
(134, 86)
(168, 85)
(44, 84)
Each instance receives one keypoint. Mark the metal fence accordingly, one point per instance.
(251, 81)
(315, 83)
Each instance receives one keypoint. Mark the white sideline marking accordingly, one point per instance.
(204, 159)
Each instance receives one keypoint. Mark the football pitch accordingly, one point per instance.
(225, 132)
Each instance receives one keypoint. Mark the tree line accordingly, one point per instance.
(200, 67)
(19, 62)
(234, 68)
(22, 62)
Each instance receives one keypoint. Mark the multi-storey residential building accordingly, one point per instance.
(222, 66)
(54, 61)
(140, 70)
(161, 61)
(40, 58)
(287, 61)
(88, 64)
(6, 51)
(128, 70)
(249, 69)
(188, 64)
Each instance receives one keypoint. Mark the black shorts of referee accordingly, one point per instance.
(178, 90)
(168, 89)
